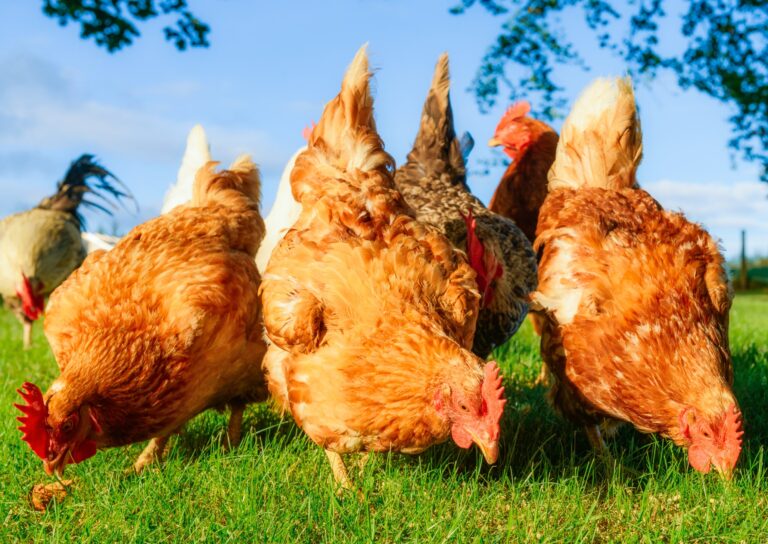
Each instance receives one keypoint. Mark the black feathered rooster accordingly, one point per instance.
(39, 248)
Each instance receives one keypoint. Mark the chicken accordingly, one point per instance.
(433, 182)
(160, 328)
(634, 299)
(531, 145)
(196, 155)
(371, 313)
(284, 213)
(40, 247)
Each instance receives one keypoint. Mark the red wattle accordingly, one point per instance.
(32, 304)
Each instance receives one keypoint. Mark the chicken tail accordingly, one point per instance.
(345, 138)
(196, 154)
(239, 184)
(600, 142)
(436, 148)
(71, 191)
(238, 190)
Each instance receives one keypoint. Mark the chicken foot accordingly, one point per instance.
(153, 452)
(595, 437)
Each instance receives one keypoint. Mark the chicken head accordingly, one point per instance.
(513, 132)
(474, 417)
(713, 442)
(58, 432)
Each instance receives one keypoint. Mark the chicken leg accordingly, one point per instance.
(27, 328)
(596, 439)
(235, 428)
(339, 469)
(153, 452)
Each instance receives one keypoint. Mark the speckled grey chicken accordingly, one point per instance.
(41, 247)
(433, 182)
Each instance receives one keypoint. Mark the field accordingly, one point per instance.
(277, 486)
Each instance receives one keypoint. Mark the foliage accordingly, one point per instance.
(276, 486)
(725, 54)
(112, 23)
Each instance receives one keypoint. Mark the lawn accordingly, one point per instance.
(277, 486)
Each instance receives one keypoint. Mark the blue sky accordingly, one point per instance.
(270, 69)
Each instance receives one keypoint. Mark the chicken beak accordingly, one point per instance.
(490, 448)
(494, 142)
(56, 465)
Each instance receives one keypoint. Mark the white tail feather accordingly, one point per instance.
(284, 213)
(600, 142)
(196, 155)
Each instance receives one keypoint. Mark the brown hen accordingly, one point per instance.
(634, 299)
(371, 313)
(160, 328)
(531, 145)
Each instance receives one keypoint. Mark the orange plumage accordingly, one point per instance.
(370, 312)
(160, 328)
(531, 145)
(634, 299)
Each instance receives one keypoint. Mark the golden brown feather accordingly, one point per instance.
(634, 300)
(370, 312)
(163, 326)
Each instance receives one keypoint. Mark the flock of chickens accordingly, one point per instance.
(367, 304)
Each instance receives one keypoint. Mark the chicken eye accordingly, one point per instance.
(463, 407)
(69, 424)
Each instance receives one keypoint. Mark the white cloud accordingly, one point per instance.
(724, 209)
(47, 118)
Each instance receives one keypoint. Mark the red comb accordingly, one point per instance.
(484, 263)
(33, 421)
(493, 395)
(31, 304)
(516, 111)
(732, 434)
(307, 132)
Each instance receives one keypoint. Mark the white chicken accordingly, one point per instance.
(196, 154)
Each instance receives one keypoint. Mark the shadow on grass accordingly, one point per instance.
(536, 444)
(751, 388)
(261, 424)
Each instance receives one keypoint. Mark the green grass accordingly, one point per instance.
(277, 487)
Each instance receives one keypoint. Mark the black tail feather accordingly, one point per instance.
(437, 151)
(71, 190)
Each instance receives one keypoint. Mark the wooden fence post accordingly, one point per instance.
(744, 278)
